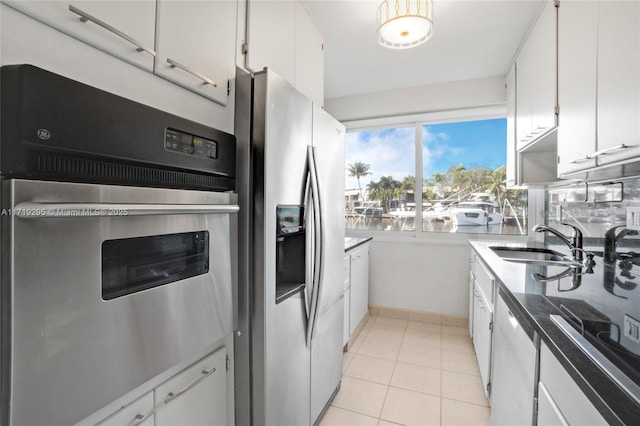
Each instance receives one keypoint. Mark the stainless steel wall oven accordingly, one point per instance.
(118, 234)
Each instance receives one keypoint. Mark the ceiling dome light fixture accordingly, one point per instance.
(404, 23)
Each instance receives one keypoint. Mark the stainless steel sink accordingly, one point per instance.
(534, 255)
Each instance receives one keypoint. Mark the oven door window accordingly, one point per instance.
(130, 265)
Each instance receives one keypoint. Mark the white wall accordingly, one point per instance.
(417, 100)
(427, 272)
(420, 275)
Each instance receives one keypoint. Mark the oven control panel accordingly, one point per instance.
(185, 143)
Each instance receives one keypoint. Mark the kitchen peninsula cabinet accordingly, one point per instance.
(124, 29)
(599, 84)
(195, 44)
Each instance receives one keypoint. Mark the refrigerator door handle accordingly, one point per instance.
(318, 234)
(309, 270)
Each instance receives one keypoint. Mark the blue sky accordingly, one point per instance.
(392, 151)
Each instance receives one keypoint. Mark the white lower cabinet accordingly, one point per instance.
(481, 296)
(347, 298)
(548, 412)
(202, 394)
(482, 336)
(197, 396)
(560, 399)
(138, 413)
(356, 289)
(359, 303)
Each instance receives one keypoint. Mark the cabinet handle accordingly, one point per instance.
(612, 149)
(205, 373)
(140, 418)
(84, 17)
(581, 159)
(204, 78)
(599, 153)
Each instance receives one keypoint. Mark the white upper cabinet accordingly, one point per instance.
(195, 44)
(599, 84)
(536, 80)
(577, 62)
(271, 30)
(512, 155)
(124, 29)
(282, 36)
(618, 81)
(309, 57)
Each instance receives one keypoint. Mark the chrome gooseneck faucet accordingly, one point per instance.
(611, 241)
(574, 242)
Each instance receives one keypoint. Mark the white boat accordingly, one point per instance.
(438, 212)
(476, 213)
(368, 211)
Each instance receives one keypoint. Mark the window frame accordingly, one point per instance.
(417, 121)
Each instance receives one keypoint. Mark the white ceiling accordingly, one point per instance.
(472, 39)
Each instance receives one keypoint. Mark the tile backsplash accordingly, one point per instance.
(594, 208)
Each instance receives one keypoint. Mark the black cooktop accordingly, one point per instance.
(603, 306)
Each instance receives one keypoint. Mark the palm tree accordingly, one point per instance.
(496, 183)
(358, 170)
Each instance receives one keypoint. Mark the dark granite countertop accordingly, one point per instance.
(353, 242)
(532, 298)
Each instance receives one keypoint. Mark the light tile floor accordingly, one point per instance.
(402, 372)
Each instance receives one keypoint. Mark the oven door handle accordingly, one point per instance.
(30, 210)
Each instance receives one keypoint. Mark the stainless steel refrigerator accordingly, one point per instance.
(291, 191)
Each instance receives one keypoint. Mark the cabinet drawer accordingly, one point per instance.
(197, 395)
(138, 413)
(484, 280)
(573, 404)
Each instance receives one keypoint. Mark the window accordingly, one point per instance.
(460, 185)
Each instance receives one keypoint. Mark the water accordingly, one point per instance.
(406, 224)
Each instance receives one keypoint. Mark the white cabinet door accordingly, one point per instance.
(347, 298)
(572, 404)
(512, 153)
(548, 412)
(271, 37)
(577, 62)
(124, 29)
(196, 45)
(536, 79)
(139, 413)
(197, 396)
(618, 80)
(309, 57)
(472, 283)
(482, 323)
(359, 286)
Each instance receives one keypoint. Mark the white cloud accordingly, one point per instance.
(434, 147)
(388, 153)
